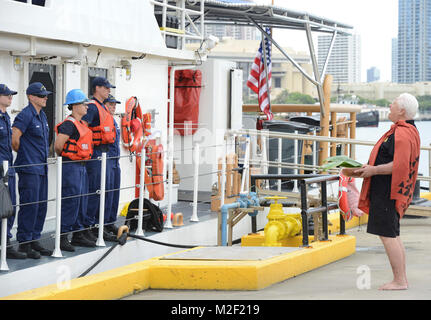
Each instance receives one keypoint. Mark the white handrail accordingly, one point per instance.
(3, 264)
(100, 242)
(57, 251)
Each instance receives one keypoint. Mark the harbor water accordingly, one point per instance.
(374, 133)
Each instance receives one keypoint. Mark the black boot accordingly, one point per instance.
(26, 248)
(65, 244)
(79, 240)
(89, 235)
(11, 253)
(43, 251)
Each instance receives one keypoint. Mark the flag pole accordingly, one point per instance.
(266, 71)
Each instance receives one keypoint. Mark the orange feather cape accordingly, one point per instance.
(405, 167)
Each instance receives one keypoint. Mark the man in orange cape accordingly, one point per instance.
(389, 182)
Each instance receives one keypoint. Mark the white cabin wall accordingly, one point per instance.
(213, 121)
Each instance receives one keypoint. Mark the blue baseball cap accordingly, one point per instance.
(4, 90)
(37, 88)
(101, 82)
(111, 98)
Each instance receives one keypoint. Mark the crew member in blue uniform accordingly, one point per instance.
(30, 139)
(101, 122)
(113, 197)
(75, 144)
(6, 155)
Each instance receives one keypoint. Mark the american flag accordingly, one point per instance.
(257, 78)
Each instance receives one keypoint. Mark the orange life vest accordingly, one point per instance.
(105, 132)
(81, 149)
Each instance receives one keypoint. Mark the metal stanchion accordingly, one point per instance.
(280, 160)
(100, 242)
(57, 251)
(139, 230)
(3, 264)
(196, 184)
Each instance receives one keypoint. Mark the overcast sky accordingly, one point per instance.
(375, 20)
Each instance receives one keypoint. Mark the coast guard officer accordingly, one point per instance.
(30, 140)
(113, 197)
(101, 123)
(75, 144)
(6, 155)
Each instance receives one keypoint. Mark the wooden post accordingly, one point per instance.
(324, 121)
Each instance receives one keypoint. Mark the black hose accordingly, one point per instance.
(122, 240)
(163, 243)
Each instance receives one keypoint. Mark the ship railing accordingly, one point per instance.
(347, 147)
(102, 191)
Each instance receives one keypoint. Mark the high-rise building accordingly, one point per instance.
(232, 31)
(414, 41)
(394, 77)
(373, 74)
(345, 61)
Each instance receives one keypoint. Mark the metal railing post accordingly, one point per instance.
(3, 264)
(324, 214)
(100, 242)
(304, 213)
(57, 251)
(139, 230)
(196, 161)
(280, 160)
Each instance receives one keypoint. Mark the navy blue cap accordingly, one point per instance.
(37, 88)
(101, 82)
(111, 98)
(4, 90)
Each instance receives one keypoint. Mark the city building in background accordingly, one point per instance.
(345, 61)
(233, 31)
(414, 41)
(394, 76)
(373, 74)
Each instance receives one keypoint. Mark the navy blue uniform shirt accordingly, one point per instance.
(34, 142)
(6, 141)
(114, 149)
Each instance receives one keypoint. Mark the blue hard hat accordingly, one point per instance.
(76, 96)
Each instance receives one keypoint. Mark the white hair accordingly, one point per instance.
(409, 103)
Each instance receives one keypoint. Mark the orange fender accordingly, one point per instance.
(343, 202)
(158, 186)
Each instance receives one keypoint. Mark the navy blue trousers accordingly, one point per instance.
(93, 171)
(31, 218)
(73, 209)
(113, 197)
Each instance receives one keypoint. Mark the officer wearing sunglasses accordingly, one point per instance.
(30, 139)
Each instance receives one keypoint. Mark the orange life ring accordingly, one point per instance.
(343, 202)
(131, 126)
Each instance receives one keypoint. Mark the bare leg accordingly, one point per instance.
(396, 254)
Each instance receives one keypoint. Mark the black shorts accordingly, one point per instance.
(383, 219)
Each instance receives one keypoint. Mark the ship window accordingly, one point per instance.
(40, 3)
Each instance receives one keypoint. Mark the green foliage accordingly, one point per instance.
(293, 98)
(340, 161)
(424, 103)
